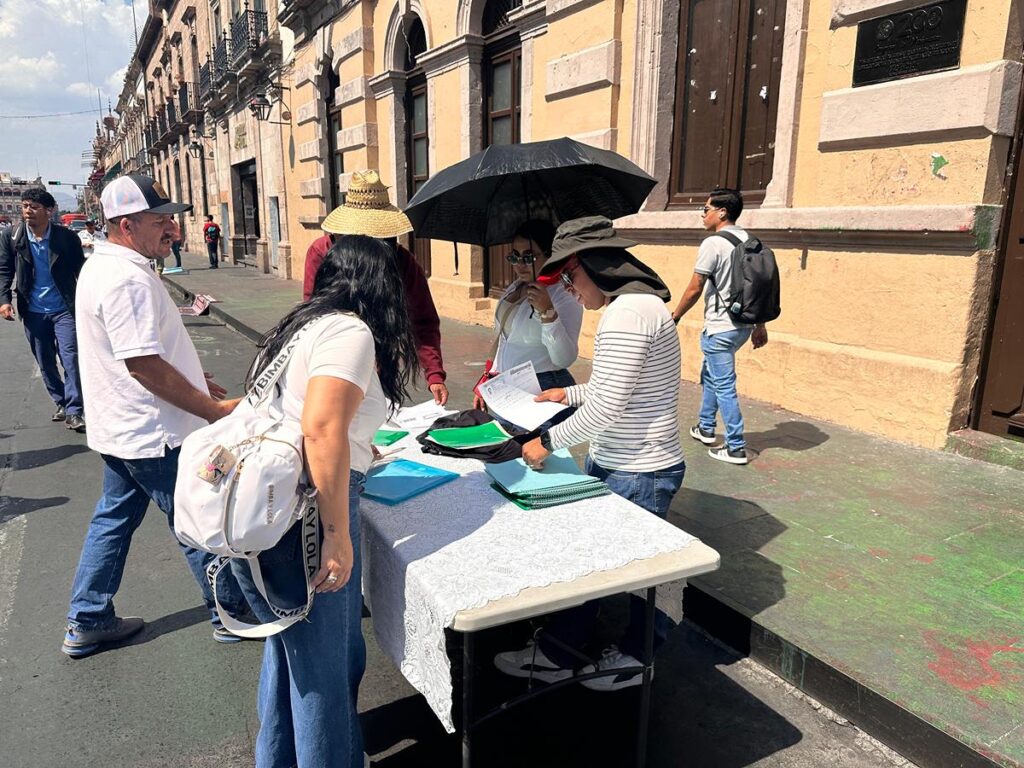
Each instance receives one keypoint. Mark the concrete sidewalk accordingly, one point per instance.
(884, 580)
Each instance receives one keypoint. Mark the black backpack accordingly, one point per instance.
(754, 291)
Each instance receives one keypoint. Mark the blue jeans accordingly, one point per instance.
(718, 380)
(50, 336)
(654, 492)
(128, 487)
(311, 672)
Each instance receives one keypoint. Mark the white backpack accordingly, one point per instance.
(242, 485)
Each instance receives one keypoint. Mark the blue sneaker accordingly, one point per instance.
(79, 642)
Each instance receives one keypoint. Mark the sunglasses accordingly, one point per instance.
(515, 257)
(565, 276)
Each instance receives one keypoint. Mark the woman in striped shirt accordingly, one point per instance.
(629, 413)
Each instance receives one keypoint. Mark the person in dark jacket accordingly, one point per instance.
(42, 260)
(368, 211)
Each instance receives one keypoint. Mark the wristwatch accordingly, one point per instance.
(545, 441)
(547, 315)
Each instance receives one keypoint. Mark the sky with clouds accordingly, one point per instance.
(46, 45)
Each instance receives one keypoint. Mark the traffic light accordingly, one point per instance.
(54, 183)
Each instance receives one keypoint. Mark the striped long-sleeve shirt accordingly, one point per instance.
(629, 410)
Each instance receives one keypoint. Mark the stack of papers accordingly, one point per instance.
(560, 482)
(462, 438)
(399, 480)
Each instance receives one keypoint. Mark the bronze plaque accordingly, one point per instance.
(925, 39)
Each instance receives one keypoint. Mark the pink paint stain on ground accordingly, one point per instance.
(881, 554)
(969, 668)
(926, 559)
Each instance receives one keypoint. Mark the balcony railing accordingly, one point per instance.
(171, 115)
(221, 59)
(205, 81)
(248, 32)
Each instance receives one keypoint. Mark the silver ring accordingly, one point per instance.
(331, 579)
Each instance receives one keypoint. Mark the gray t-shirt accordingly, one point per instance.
(714, 260)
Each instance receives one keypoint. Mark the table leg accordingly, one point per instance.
(468, 653)
(645, 693)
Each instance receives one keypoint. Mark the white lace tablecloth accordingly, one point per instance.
(462, 545)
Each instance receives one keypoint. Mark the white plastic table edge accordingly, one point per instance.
(693, 560)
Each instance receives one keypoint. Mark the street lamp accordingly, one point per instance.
(260, 106)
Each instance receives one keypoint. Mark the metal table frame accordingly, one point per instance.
(468, 692)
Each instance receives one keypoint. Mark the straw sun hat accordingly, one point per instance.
(367, 210)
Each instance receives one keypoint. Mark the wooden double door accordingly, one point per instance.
(1000, 405)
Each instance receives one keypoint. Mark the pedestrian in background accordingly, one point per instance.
(43, 260)
(176, 247)
(722, 337)
(211, 234)
(143, 374)
(338, 383)
(89, 236)
(368, 211)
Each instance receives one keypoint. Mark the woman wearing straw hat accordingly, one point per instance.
(368, 211)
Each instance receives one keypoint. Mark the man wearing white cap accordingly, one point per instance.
(145, 391)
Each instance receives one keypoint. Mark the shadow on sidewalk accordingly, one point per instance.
(791, 435)
(15, 506)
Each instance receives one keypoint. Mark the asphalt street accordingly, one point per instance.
(173, 697)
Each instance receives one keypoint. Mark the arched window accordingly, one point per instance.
(417, 134)
(503, 60)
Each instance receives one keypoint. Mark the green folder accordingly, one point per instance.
(479, 436)
(386, 437)
(540, 501)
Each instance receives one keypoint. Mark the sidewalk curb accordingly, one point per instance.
(882, 718)
(215, 311)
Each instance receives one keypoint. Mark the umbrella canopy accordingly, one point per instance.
(484, 199)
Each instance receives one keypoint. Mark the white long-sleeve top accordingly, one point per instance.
(549, 346)
(629, 410)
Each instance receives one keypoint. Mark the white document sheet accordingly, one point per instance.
(416, 418)
(510, 395)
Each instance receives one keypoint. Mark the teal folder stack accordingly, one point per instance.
(560, 482)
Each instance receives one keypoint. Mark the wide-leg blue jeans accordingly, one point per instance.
(128, 487)
(311, 671)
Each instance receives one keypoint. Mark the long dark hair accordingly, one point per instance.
(358, 275)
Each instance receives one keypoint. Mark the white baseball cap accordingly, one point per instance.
(137, 194)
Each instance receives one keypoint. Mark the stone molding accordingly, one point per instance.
(309, 150)
(351, 91)
(388, 84)
(308, 112)
(312, 187)
(307, 73)
(360, 39)
(605, 139)
(848, 12)
(392, 58)
(559, 8)
(362, 135)
(582, 71)
(467, 49)
(961, 229)
(530, 20)
(972, 102)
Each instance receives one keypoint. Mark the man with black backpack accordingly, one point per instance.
(739, 278)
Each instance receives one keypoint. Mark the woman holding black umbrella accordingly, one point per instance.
(535, 323)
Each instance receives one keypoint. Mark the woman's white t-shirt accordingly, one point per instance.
(340, 346)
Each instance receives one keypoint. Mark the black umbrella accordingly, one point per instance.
(484, 199)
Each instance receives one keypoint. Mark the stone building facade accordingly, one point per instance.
(888, 205)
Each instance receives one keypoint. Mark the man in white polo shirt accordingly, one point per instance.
(146, 391)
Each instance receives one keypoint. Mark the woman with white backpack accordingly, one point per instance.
(343, 371)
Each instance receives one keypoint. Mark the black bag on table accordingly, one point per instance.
(490, 454)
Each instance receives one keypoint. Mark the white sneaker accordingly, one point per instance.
(728, 455)
(613, 658)
(531, 662)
